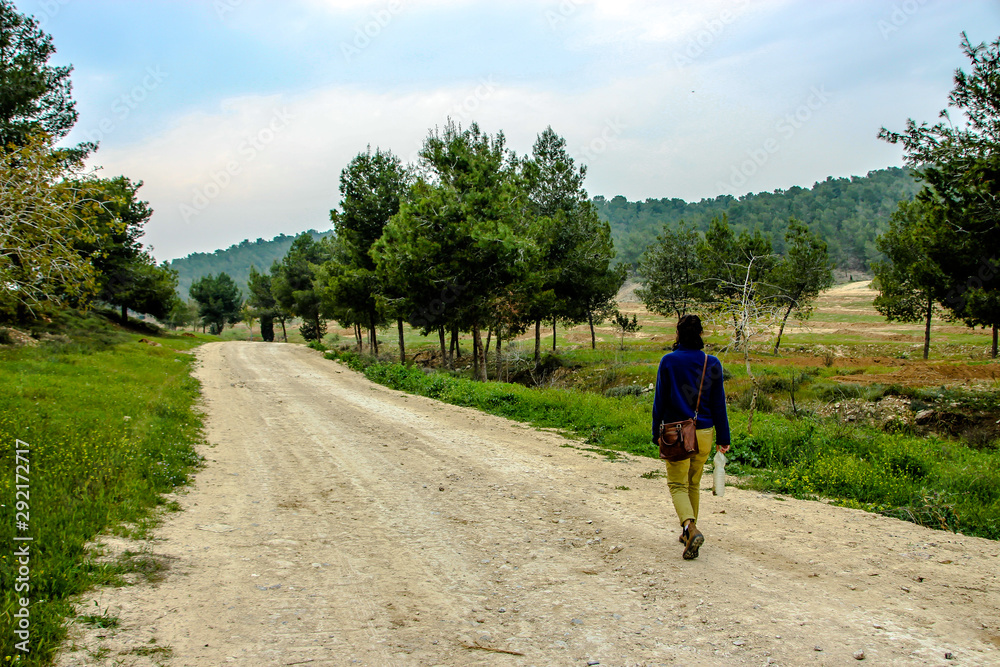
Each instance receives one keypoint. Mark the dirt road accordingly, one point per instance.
(341, 523)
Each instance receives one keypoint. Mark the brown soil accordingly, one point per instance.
(342, 523)
(928, 375)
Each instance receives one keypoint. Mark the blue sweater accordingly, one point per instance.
(677, 393)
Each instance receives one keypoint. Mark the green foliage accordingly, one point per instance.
(371, 189)
(294, 281)
(960, 162)
(623, 325)
(801, 274)
(41, 230)
(219, 301)
(34, 96)
(669, 270)
(101, 454)
(929, 481)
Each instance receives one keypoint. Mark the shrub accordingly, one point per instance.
(625, 390)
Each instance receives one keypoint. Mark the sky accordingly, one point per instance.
(239, 115)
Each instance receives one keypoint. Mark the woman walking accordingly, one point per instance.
(689, 379)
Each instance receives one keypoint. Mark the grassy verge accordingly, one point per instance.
(110, 425)
(930, 481)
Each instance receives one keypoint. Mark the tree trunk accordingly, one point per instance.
(444, 345)
(781, 329)
(538, 342)
(475, 351)
(927, 328)
(499, 348)
(402, 345)
(284, 334)
(553, 334)
(753, 397)
(995, 327)
(456, 343)
(593, 336)
(124, 314)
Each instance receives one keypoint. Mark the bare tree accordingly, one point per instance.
(753, 314)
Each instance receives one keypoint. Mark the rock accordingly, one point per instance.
(924, 416)
(949, 656)
(818, 649)
(740, 642)
(859, 655)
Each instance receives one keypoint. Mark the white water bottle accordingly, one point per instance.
(719, 487)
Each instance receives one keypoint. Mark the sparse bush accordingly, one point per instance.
(625, 390)
(764, 402)
(310, 332)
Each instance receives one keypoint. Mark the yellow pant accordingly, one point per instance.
(684, 478)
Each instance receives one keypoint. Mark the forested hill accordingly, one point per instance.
(235, 260)
(848, 213)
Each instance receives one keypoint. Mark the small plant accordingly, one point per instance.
(5, 337)
(828, 358)
(623, 325)
(316, 345)
(653, 474)
(933, 509)
(622, 488)
(101, 620)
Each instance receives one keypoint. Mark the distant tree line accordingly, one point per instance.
(849, 214)
(235, 261)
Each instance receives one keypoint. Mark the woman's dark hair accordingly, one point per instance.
(689, 333)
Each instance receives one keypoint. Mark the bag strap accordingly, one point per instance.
(700, 385)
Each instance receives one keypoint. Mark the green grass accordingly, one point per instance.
(935, 482)
(111, 425)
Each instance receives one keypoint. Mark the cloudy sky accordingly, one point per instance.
(239, 114)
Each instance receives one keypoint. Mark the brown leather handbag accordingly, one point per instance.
(679, 440)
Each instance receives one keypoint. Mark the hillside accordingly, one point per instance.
(848, 213)
(235, 260)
